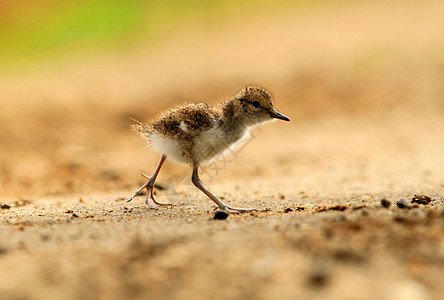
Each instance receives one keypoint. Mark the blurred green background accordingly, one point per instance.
(32, 31)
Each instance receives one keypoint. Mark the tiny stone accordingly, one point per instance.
(75, 215)
(403, 204)
(5, 206)
(220, 215)
(385, 203)
(127, 210)
(318, 278)
(421, 199)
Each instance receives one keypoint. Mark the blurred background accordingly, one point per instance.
(73, 73)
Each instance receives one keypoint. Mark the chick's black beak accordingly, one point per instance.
(277, 115)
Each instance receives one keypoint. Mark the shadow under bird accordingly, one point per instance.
(195, 134)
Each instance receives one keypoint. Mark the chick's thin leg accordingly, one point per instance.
(198, 183)
(149, 185)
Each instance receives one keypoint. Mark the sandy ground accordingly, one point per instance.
(326, 233)
(367, 124)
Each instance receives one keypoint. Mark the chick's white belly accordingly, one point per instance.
(214, 143)
(167, 146)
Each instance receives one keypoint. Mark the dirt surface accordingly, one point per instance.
(366, 138)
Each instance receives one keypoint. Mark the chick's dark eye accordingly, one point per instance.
(255, 104)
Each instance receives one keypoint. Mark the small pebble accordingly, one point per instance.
(5, 206)
(75, 215)
(318, 278)
(220, 215)
(421, 199)
(385, 203)
(127, 210)
(403, 204)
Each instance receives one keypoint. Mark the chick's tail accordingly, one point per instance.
(142, 128)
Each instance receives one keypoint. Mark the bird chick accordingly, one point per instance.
(195, 134)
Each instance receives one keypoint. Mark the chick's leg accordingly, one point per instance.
(149, 185)
(198, 183)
